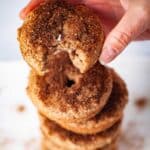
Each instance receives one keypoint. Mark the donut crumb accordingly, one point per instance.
(21, 108)
(141, 102)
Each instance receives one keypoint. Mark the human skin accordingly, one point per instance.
(123, 22)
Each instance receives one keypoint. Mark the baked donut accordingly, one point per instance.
(57, 26)
(67, 95)
(72, 141)
(111, 113)
(49, 145)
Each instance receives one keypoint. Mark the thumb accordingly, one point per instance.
(30, 6)
(132, 24)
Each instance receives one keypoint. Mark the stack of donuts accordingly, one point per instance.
(79, 101)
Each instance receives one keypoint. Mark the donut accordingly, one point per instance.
(110, 114)
(70, 140)
(57, 26)
(49, 145)
(65, 94)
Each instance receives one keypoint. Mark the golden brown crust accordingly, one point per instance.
(68, 139)
(67, 95)
(111, 113)
(58, 26)
(49, 145)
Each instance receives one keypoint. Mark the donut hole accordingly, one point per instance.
(70, 82)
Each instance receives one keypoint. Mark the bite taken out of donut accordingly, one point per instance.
(57, 26)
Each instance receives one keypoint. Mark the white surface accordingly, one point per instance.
(19, 130)
(136, 126)
(9, 22)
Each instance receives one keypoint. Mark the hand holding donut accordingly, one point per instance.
(124, 21)
(80, 102)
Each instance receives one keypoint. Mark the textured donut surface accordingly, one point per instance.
(49, 145)
(71, 140)
(110, 114)
(58, 26)
(64, 94)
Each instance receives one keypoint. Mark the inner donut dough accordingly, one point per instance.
(57, 26)
(64, 94)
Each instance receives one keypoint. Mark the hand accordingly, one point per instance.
(123, 21)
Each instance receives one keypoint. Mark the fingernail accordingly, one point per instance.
(102, 62)
(106, 56)
(23, 13)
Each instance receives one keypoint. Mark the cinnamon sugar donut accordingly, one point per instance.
(67, 95)
(111, 113)
(72, 141)
(57, 26)
(49, 145)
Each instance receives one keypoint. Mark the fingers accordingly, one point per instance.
(133, 23)
(31, 5)
(144, 36)
(75, 1)
(34, 3)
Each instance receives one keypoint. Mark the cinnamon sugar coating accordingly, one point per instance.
(110, 114)
(58, 26)
(67, 139)
(65, 94)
